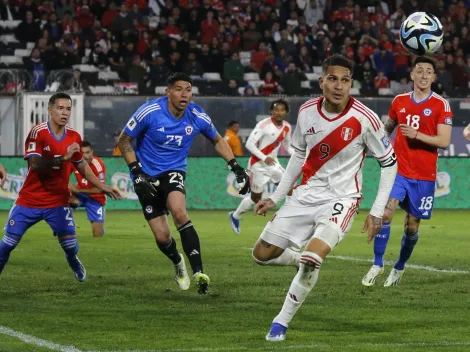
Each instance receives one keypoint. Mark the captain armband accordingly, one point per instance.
(388, 161)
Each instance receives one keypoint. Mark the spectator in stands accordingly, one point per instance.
(249, 91)
(291, 80)
(35, 66)
(365, 74)
(138, 74)
(78, 84)
(233, 69)
(28, 30)
(109, 15)
(270, 86)
(381, 81)
(8, 11)
(98, 8)
(192, 67)
(305, 61)
(286, 44)
(209, 28)
(251, 37)
(122, 21)
(85, 18)
(232, 138)
(54, 27)
(65, 7)
(175, 64)
(231, 89)
(401, 87)
(98, 58)
(115, 58)
(384, 61)
(460, 77)
(159, 72)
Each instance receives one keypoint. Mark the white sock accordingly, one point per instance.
(287, 258)
(300, 287)
(244, 206)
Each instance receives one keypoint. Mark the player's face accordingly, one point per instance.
(87, 154)
(279, 112)
(180, 94)
(336, 84)
(60, 112)
(423, 76)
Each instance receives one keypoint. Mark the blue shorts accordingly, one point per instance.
(60, 219)
(94, 209)
(416, 196)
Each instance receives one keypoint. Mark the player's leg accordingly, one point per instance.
(176, 203)
(62, 223)
(19, 221)
(397, 195)
(421, 200)
(95, 213)
(334, 221)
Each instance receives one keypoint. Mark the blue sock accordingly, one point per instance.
(408, 243)
(380, 244)
(8, 243)
(70, 247)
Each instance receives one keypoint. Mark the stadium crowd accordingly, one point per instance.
(282, 42)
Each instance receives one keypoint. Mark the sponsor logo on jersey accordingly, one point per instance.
(385, 141)
(448, 121)
(189, 130)
(311, 130)
(427, 112)
(47, 148)
(131, 124)
(31, 147)
(346, 133)
(403, 110)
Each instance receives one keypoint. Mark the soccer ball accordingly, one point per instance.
(421, 33)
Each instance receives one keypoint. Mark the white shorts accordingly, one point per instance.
(261, 174)
(295, 223)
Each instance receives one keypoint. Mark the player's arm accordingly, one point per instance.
(126, 148)
(392, 120)
(3, 175)
(287, 143)
(390, 126)
(378, 142)
(87, 173)
(252, 143)
(37, 162)
(441, 140)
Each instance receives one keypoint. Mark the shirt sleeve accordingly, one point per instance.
(379, 144)
(33, 144)
(207, 128)
(287, 141)
(298, 142)
(392, 113)
(139, 122)
(77, 158)
(445, 116)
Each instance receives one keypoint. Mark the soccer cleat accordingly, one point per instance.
(77, 268)
(394, 278)
(276, 333)
(374, 272)
(202, 282)
(235, 223)
(182, 277)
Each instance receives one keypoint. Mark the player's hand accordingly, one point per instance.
(466, 132)
(73, 201)
(269, 161)
(243, 179)
(408, 131)
(263, 206)
(71, 150)
(3, 175)
(143, 186)
(111, 192)
(372, 226)
(73, 188)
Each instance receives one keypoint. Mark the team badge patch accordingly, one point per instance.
(189, 130)
(448, 121)
(427, 112)
(31, 147)
(385, 141)
(347, 133)
(149, 209)
(131, 124)
(12, 222)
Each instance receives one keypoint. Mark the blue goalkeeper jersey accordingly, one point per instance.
(162, 141)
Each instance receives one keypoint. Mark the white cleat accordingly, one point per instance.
(374, 272)
(182, 277)
(394, 278)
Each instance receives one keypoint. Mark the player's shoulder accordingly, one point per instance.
(405, 97)
(444, 103)
(198, 112)
(97, 163)
(38, 130)
(73, 133)
(264, 123)
(310, 104)
(366, 115)
(153, 106)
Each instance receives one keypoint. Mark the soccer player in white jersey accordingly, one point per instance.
(263, 166)
(330, 141)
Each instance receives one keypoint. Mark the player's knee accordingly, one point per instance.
(411, 225)
(180, 217)
(98, 232)
(255, 197)
(262, 254)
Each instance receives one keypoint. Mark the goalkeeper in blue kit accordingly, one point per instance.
(163, 130)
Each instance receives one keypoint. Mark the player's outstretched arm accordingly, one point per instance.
(390, 126)
(441, 140)
(3, 175)
(75, 189)
(125, 146)
(84, 169)
(225, 152)
(37, 162)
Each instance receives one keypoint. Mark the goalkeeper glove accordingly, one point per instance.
(143, 187)
(243, 179)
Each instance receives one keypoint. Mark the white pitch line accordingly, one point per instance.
(36, 341)
(389, 262)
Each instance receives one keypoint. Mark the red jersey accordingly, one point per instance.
(98, 168)
(416, 159)
(48, 188)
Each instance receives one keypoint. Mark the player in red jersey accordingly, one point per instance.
(3, 175)
(425, 124)
(51, 148)
(85, 194)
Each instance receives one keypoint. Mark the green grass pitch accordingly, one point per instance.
(130, 301)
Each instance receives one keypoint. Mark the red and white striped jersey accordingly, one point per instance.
(267, 137)
(335, 147)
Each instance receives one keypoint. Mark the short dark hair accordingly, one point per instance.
(233, 122)
(178, 76)
(425, 60)
(86, 144)
(279, 101)
(56, 96)
(337, 60)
